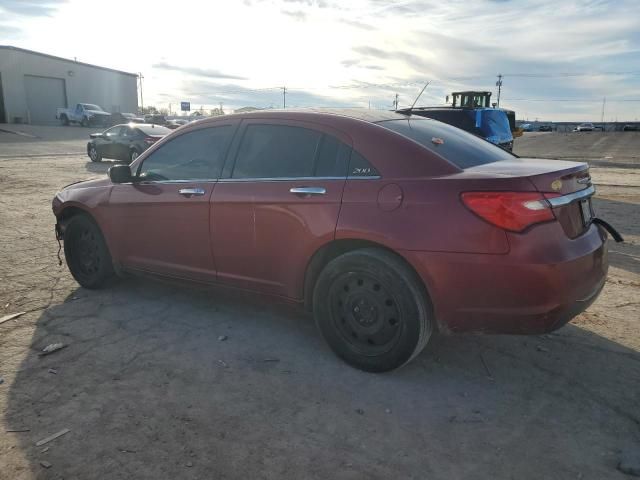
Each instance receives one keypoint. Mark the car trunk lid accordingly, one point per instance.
(567, 186)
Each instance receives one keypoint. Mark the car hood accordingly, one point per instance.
(91, 183)
(97, 112)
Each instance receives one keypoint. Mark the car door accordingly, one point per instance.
(79, 113)
(161, 220)
(106, 145)
(277, 202)
(123, 143)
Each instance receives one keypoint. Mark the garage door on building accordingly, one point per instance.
(44, 96)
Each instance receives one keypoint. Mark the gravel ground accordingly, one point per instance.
(148, 389)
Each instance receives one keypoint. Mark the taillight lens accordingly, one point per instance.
(513, 211)
(150, 140)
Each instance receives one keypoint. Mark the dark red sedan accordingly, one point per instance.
(388, 227)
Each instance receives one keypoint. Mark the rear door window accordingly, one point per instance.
(360, 167)
(283, 151)
(454, 145)
(194, 155)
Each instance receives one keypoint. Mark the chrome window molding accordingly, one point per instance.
(232, 180)
(571, 197)
(292, 179)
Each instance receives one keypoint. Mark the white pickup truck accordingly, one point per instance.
(85, 114)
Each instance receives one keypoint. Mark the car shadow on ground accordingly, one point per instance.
(166, 381)
(625, 217)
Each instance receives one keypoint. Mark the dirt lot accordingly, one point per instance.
(148, 391)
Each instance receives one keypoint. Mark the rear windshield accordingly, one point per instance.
(155, 130)
(457, 146)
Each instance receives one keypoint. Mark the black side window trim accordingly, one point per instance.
(234, 129)
(238, 138)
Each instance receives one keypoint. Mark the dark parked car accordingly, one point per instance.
(117, 118)
(631, 128)
(388, 227)
(173, 124)
(156, 119)
(584, 127)
(544, 128)
(124, 142)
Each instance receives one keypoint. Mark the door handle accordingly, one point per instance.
(190, 192)
(302, 191)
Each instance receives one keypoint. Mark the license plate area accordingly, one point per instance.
(586, 211)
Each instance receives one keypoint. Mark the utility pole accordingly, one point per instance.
(140, 77)
(395, 102)
(499, 85)
(169, 109)
(604, 101)
(221, 111)
(284, 97)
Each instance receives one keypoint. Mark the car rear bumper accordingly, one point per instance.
(537, 287)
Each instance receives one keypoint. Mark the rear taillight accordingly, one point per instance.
(150, 140)
(514, 211)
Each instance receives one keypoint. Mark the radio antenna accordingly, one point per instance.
(416, 100)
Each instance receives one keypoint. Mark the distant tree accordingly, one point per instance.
(149, 110)
(164, 111)
(214, 112)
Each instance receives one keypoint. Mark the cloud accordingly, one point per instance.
(296, 14)
(356, 24)
(207, 93)
(31, 8)
(310, 3)
(197, 72)
(9, 31)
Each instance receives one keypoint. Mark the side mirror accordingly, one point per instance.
(120, 174)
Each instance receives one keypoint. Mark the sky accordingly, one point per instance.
(560, 59)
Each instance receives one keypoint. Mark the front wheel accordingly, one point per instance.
(86, 252)
(133, 154)
(372, 310)
(84, 122)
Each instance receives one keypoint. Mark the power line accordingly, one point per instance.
(567, 74)
(571, 100)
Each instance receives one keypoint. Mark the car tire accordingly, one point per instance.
(64, 120)
(133, 154)
(94, 155)
(86, 252)
(372, 310)
(84, 122)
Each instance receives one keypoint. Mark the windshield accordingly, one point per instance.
(456, 146)
(89, 106)
(154, 130)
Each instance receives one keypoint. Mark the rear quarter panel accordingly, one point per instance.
(430, 215)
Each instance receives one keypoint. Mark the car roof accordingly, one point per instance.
(362, 114)
(137, 125)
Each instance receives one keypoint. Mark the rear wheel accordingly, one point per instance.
(94, 155)
(372, 310)
(86, 252)
(64, 120)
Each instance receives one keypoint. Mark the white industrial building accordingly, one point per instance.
(33, 85)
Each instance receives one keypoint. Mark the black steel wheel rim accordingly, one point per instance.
(87, 253)
(365, 313)
(93, 153)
